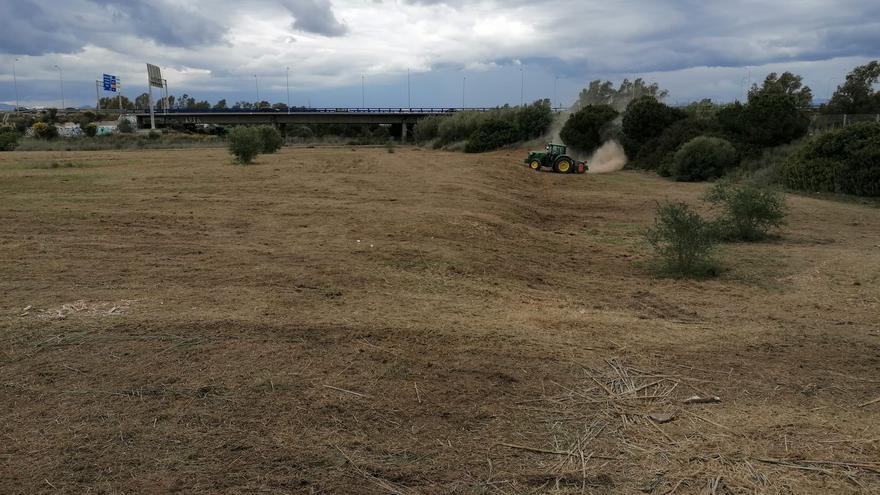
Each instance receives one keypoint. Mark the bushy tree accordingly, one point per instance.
(427, 129)
(604, 93)
(658, 153)
(646, 118)
(245, 143)
(857, 93)
(271, 138)
(746, 212)
(124, 126)
(682, 240)
(8, 138)
(703, 158)
(769, 119)
(220, 105)
(784, 84)
(584, 129)
(491, 135)
(43, 130)
(533, 120)
(844, 161)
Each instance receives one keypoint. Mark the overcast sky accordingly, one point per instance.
(212, 49)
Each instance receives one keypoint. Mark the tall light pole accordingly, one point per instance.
(522, 86)
(555, 92)
(15, 84)
(61, 81)
(257, 82)
(363, 91)
(463, 84)
(408, 89)
(287, 76)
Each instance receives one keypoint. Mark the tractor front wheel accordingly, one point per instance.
(535, 165)
(563, 166)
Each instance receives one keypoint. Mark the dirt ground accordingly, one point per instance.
(339, 320)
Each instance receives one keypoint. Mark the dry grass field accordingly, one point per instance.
(338, 320)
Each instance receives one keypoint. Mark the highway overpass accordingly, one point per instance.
(401, 119)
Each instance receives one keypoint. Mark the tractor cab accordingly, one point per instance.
(556, 150)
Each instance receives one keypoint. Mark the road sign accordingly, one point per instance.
(112, 83)
(154, 75)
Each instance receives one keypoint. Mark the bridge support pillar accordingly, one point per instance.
(403, 131)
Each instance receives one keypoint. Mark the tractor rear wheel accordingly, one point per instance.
(535, 165)
(563, 166)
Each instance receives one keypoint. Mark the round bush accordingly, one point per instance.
(584, 129)
(844, 161)
(245, 143)
(703, 158)
(272, 139)
(8, 139)
(43, 130)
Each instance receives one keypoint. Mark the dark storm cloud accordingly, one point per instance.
(36, 28)
(315, 16)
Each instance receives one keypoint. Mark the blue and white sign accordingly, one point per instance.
(112, 83)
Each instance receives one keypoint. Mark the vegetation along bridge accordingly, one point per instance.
(400, 119)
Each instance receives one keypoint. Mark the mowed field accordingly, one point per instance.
(348, 320)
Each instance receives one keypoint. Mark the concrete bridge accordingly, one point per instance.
(401, 120)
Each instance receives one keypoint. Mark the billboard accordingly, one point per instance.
(112, 83)
(154, 75)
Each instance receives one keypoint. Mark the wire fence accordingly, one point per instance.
(820, 123)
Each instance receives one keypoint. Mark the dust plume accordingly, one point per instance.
(610, 157)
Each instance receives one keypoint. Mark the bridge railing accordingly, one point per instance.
(372, 110)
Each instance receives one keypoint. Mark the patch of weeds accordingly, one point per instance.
(683, 242)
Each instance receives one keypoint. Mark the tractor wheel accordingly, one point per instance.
(563, 166)
(535, 165)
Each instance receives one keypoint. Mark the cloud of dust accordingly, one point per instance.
(610, 157)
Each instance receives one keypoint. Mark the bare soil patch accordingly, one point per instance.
(347, 320)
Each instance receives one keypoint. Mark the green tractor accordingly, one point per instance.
(554, 155)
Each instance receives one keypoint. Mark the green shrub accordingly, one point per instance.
(646, 118)
(271, 138)
(154, 135)
(584, 130)
(91, 129)
(46, 131)
(682, 240)
(245, 143)
(703, 158)
(747, 212)
(427, 129)
(491, 135)
(533, 120)
(769, 119)
(8, 139)
(658, 153)
(124, 126)
(843, 161)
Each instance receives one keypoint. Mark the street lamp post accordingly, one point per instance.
(363, 91)
(15, 84)
(287, 77)
(463, 85)
(522, 86)
(61, 81)
(408, 89)
(555, 92)
(257, 82)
